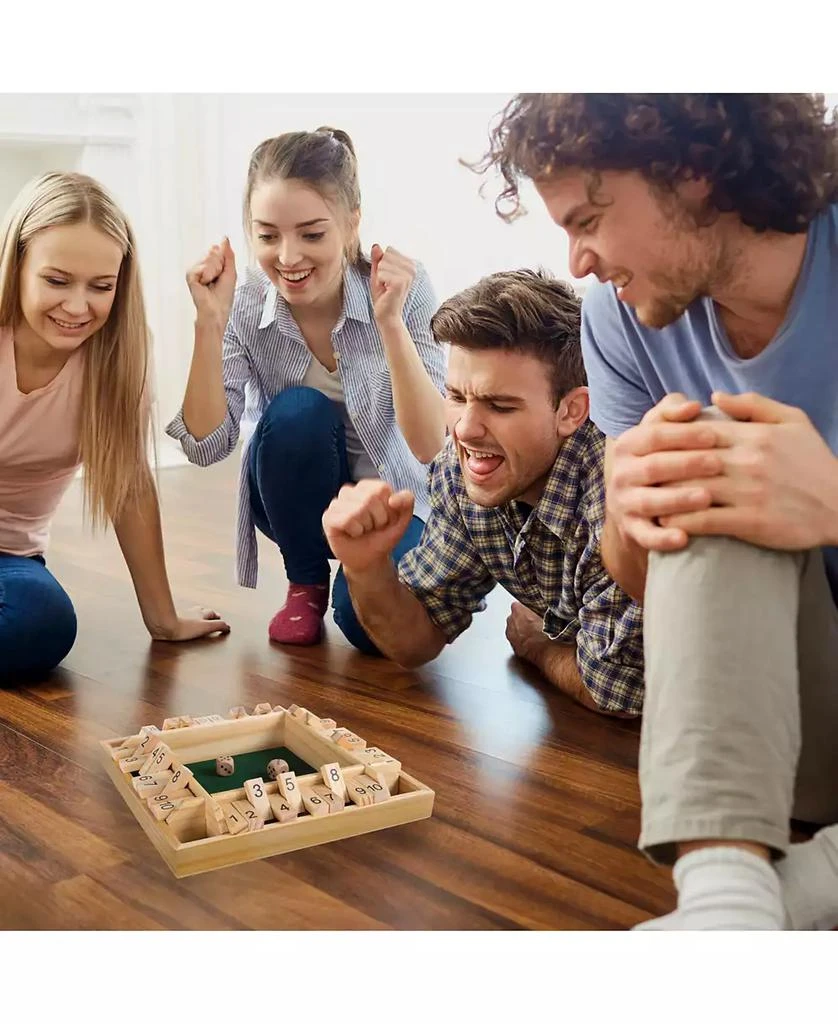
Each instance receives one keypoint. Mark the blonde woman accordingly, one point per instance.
(327, 358)
(74, 354)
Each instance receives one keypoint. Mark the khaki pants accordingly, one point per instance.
(740, 722)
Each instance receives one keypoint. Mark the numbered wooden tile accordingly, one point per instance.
(147, 786)
(282, 810)
(314, 804)
(256, 795)
(238, 712)
(131, 764)
(327, 725)
(377, 789)
(162, 810)
(348, 740)
(333, 778)
(332, 800)
(162, 798)
(245, 808)
(374, 755)
(181, 777)
(289, 788)
(159, 760)
(235, 820)
(209, 719)
(141, 780)
(262, 709)
(123, 752)
(147, 743)
(171, 723)
(357, 792)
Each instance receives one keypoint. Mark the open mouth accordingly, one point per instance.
(621, 283)
(296, 278)
(481, 464)
(69, 325)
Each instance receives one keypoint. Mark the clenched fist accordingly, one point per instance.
(391, 276)
(212, 283)
(365, 522)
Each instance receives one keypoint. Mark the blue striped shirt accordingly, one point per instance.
(264, 353)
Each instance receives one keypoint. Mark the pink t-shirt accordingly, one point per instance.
(39, 449)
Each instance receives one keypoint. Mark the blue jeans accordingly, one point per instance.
(298, 463)
(37, 620)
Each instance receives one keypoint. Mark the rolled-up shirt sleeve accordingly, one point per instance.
(609, 644)
(445, 571)
(218, 445)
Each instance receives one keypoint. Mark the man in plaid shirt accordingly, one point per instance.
(517, 498)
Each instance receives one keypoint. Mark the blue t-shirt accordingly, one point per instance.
(631, 367)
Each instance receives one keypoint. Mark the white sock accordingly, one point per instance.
(723, 888)
(809, 877)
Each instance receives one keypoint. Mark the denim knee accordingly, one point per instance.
(346, 620)
(298, 418)
(38, 628)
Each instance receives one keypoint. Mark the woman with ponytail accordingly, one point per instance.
(325, 357)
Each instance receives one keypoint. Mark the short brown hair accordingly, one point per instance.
(527, 311)
(770, 157)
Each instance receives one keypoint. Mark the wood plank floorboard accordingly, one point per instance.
(537, 806)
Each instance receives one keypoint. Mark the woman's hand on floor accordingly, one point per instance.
(200, 623)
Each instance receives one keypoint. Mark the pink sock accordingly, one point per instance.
(300, 619)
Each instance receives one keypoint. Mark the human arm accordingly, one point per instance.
(555, 661)
(600, 663)
(403, 304)
(208, 424)
(443, 575)
(363, 525)
(140, 536)
(643, 432)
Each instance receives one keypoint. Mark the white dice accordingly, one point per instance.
(224, 765)
(276, 768)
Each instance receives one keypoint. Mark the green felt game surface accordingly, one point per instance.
(253, 765)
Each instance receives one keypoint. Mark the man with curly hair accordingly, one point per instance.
(711, 348)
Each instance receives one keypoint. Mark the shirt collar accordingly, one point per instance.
(356, 303)
(576, 471)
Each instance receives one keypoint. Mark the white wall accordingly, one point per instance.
(178, 164)
(415, 194)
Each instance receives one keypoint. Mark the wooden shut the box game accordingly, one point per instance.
(213, 791)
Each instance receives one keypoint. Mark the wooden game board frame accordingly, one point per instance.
(182, 840)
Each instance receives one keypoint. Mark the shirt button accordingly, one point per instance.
(337, 356)
(381, 469)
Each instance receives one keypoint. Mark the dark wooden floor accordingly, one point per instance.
(537, 807)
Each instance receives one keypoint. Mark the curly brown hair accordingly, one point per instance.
(527, 311)
(772, 158)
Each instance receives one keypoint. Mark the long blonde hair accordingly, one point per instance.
(116, 409)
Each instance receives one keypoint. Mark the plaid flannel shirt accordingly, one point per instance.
(548, 559)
